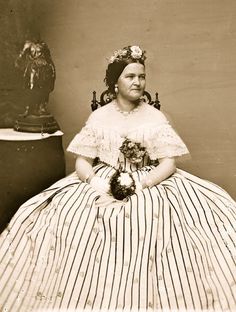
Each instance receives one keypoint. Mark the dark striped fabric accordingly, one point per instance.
(171, 247)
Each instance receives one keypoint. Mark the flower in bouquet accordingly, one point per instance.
(133, 151)
(122, 185)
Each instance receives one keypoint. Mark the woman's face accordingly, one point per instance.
(131, 83)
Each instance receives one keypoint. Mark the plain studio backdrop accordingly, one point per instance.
(191, 48)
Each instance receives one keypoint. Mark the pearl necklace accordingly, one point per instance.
(126, 113)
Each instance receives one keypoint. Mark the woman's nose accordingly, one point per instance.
(136, 81)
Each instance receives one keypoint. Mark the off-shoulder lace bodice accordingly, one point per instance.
(106, 129)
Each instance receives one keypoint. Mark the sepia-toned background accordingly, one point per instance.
(191, 48)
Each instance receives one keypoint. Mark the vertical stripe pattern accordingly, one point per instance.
(170, 247)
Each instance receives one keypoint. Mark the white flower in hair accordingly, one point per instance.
(136, 52)
(125, 179)
(117, 53)
(112, 59)
(123, 52)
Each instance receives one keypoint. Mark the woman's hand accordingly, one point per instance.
(99, 184)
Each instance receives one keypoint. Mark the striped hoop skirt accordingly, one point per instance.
(170, 247)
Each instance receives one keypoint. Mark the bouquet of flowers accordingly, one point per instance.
(122, 184)
(133, 151)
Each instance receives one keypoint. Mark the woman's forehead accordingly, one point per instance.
(134, 68)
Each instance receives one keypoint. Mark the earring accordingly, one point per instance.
(116, 89)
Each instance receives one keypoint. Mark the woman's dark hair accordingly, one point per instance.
(114, 71)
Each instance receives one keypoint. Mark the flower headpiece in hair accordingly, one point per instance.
(130, 52)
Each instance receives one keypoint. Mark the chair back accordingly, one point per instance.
(106, 98)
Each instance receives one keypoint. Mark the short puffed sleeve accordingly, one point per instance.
(163, 141)
(85, 142)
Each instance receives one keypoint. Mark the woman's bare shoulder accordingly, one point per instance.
(154, 114)
(101, 113)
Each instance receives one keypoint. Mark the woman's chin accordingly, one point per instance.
(135, 98)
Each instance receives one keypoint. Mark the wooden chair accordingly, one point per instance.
(105, 98)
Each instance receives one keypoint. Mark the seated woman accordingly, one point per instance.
(169, 245)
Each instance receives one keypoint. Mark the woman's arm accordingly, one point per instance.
(84, 168)
(85, 172)
(163, 171)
